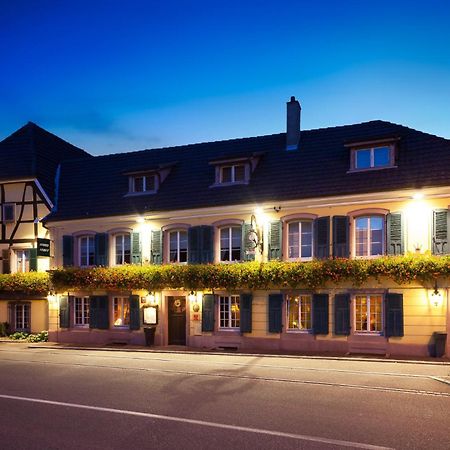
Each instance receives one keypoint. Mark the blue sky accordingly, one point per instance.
(113, 76)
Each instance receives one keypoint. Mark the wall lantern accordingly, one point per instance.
(255, 236)
(192, 297)
(151, 298)
(436, 296)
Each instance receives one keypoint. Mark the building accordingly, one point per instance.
(355, 192)
(29, 161)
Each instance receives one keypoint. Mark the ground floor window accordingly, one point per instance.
(121, 308)
(81, 311)
(21, 316)
(368, 313)
(298, 309)
(229, 311)
(22, 261)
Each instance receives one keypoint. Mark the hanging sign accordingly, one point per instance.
(43, 247)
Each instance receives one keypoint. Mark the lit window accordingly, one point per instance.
(299, 312)
(86, 250)
(300, 240)
(178, 245)
(229, 311)
(369, 236)
(375, 157)
(230, 243)
(22, 317)
(232, 174)
(22, 260)
(144, 183)
(123, 249)
(121, 308)
(81, 311)
(368, 313)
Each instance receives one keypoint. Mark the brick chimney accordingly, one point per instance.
(293, 124)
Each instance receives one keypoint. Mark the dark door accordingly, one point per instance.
(177, 320)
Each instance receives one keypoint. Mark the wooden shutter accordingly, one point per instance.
(340, 237)
(136, 254)
(275, 240)
(193, 245)
(247, 248)
(275, 316)
(440, 244)
(67, 251)
(320, 314)
(322, 237)
(99, 312)
(395, 234)
(393, 315)
(342, 314)
(135, 312)
(6, 268)
(93, 312)
(245, 306)
(208, 312)
(206, 242)
(33, 260)
(64, 312)
(157, 247)
(101, 249)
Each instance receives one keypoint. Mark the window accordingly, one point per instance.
(144, 183)
(22, 260)
(368, 313)
(121, 309)
(178, 245)
(81, 311)
(299, 309)
(232, 174)
(86, 250)
(123, 249)
(230, 243)
(300, 240)
(22, 317)
(8, 212)
(375, 157)
(229, 311)
(369, 236)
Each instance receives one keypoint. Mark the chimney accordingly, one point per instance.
(293, 124)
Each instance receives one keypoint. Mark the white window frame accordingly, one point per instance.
(230, 243)
(300, 222)
(84, 303)
(144, 183)
(233, 173)
(231, 323)
(79, 239)
(178, 249)
(372, 149)
(122, 248)
(368, 331)
(121, 301)
(23, 262)
(300, 312)
(369, 237)
(23, 315)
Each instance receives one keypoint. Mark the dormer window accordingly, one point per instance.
(372, 155)
(147, 181)
(233, 174)
(144, 183)
(230, 171)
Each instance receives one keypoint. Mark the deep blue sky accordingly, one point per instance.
(123, 75)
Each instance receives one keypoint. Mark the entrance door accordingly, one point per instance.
(177, 320)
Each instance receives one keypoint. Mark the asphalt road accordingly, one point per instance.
(83, 399)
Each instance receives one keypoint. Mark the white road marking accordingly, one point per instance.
(299, 437)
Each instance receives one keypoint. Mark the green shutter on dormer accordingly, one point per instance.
(440, 239)
(157, 247)
(275, 239)
(248, 250)
(395, 234)
(136, 253)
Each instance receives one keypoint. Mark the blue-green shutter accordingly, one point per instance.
(135, 312)
(440, 243)
(395, 234)
(33, 259)
(67, 251)
(136, 252)
(393, 315)
(275, 239)
(341, 247)
(99, 312)
(245, 313)
(342, 314)
(101, 249)
(6, 268)
(322, 237)
(157, 247)
(320, 314)
(208, 312)
(64, 312)
(193, 245)
(247, 248)
(207, 244)
(93, 311)
(274, 313)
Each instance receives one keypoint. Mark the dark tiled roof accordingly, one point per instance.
(32, 152)
(97, 187)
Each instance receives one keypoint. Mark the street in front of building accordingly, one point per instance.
(56, 398)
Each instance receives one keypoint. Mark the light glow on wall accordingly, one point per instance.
(418, 214)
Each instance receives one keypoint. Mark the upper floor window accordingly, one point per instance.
(298, 308)
(229, 311)
(178, 246)
(373, 157)
(122, 249)
(22, 260)
(143, 183)
(235, 173)
(369, 236)
(368, 313)
(8, 212)
(230, 243)
(86, 251)
(300, 239)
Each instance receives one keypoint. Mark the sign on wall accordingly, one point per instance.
(43, 247)
(151, 315)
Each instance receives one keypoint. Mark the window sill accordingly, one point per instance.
(371, 169)
(368, 333)
(138, 194)
(289, 331)
(235, 183)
